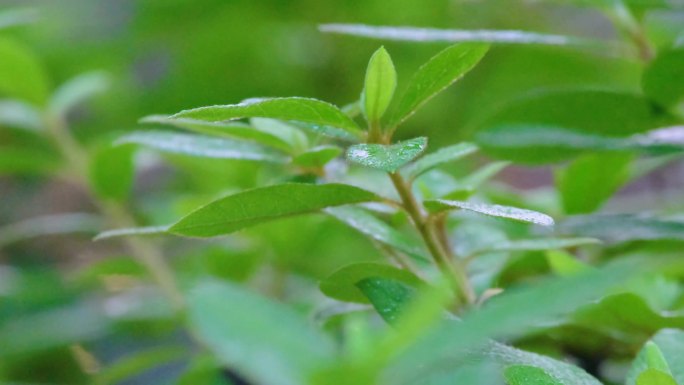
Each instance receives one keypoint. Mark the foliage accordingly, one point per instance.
(289, 240)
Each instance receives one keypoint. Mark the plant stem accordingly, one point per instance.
(624, 19)
(429, 233)
(144, 251)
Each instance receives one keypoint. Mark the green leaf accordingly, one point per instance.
(376, 229)
(386, 294)
(77, 90)
(386, 157)
(139, 362)
(565, 264)
(443, 155)
(21, 74)
(317, 157)
(670, 343)
(347, 284)
(618, 228)
(528, 375)
(295, 138)
(378, 89)
(663, 80)
(112, 171)
(513, 313)
(591, 180)
(252, 207)
(49, 225)
(655, 377)
(202, 146)
(434, 76)
(293, 108)
(627, 314)
(655, 358)
(555, 125)
(457, 36)
(18, 114)
(228, 129)
(540, 244)
(238, 327)
(498, 211)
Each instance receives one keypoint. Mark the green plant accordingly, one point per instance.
(463, 267)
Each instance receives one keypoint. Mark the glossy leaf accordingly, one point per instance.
(434, 76)
(202, 146)
(346, 284)
(238, 327)
(663, 80)
(252, 207)
(591, 180)
(294, 108)
(551, 126)
(112, 171)
(376, 229)
(456, 36)
(498, 211)
(227, 129)
(528, 375)
(441, 156)
(378, 89)
(317, 157)
(77, 90)
(21, 74)
(618, 228)
(387, 157)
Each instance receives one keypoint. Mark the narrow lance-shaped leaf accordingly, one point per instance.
(251, 207)
(49, 225)
(663, 80)
(293, 108)
(443, 155)
(538, 244)
(378, 89)
(237, 326)
(438, 73)
(386, 157)
(18, 114)
(516, 214)
(376, 229)
(617, 228)
(458, 36)
(77, 90)
(202, 146)
(226, 129)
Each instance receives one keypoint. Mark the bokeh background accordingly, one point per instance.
(167, 55)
